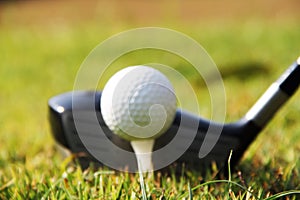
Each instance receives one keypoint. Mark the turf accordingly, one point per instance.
(38, 61)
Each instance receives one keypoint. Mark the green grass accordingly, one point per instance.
(39, 62)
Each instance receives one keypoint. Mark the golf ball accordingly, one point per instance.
(138, 103)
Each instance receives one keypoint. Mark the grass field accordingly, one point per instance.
(40, 57)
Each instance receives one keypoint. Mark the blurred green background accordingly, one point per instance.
(43, 43)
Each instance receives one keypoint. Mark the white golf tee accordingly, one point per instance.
(143, 151)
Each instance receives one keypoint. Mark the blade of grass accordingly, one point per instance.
(229, 175)
(190, 191)
(283, 194)
(213, 182)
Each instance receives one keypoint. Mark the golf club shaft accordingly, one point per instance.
(277, 94)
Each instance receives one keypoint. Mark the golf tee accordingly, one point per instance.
(143, 151)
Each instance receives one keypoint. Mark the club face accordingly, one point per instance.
(236, 136)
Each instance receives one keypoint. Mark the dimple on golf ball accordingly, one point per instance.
(138, 103)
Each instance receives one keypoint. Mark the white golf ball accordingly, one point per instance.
(138, 103)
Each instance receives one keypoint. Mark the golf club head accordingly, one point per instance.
(236, 136)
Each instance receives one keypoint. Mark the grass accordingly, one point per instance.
(39, 62)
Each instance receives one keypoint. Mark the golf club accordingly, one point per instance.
(236, 136)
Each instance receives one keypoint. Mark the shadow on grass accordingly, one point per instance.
(239, 71)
